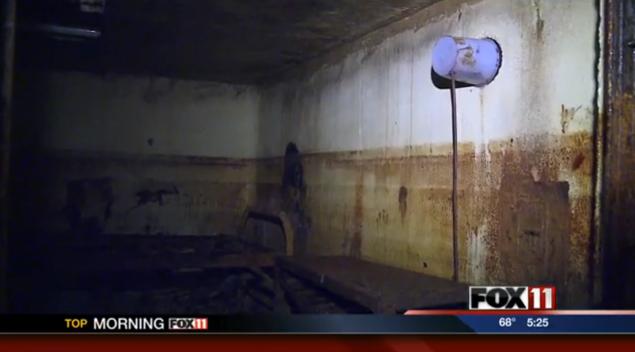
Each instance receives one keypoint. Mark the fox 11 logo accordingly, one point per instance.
(512, 297)
(187, 324)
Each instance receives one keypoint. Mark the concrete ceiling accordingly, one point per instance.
(237, 41)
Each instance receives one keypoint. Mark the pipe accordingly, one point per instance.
(455, 168)
(470, 62)
(54, 29)
(599, 112)
(6, 90)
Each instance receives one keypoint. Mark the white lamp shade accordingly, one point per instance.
(473, 61)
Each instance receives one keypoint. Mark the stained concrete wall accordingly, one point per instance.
(376, 135)
(122, 154)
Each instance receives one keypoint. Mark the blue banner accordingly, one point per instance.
(550, 323)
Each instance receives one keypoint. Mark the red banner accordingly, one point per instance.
(119, 343)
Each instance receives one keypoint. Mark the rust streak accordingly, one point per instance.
(403, 202)
(358, 216)
(577, 162)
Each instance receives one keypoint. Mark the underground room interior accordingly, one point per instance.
(313, 156)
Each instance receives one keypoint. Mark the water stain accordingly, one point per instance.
(146, 196)
(540, 22)
(403, 202)
(383, 218)
(566, 116)
(358, 217)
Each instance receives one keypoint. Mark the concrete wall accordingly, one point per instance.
(376, 135)
(146, 115)
(121, 154)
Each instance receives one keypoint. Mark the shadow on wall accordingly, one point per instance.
(280, 187)
(294, 195)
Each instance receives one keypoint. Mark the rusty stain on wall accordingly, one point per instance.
(577, 162)
(503, 207)
(529, 236)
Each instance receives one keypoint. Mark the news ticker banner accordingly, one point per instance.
(414, 322)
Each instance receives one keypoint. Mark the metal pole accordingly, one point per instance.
(455, 252)
(6, 90)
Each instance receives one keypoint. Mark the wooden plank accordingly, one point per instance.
(378, 287)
